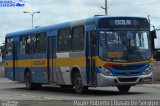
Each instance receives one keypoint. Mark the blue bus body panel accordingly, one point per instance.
(39, 30)
(52, 33)
(9, 73)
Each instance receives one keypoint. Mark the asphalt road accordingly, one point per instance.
(15, 93)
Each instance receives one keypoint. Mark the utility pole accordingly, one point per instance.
(32, 14)
(105, 8)
(149, 19)
(106, 11)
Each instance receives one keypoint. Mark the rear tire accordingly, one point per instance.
(29, 84)
(37, 86)
(28, 81)
(124, 89)
(79, 88)
(66, 86)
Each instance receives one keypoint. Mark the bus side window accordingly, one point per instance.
(40, 43)
(64, 40)
(22, 45)
(9, 46)
(29, 45)
(78, 38)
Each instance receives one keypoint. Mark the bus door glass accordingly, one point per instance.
(91, 40)
(15, 57)
(51, 59)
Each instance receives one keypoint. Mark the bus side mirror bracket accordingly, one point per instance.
(94, 39)
(153, 34)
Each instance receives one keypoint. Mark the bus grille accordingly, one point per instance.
(127, 79)
(127, 73)
(133, 67)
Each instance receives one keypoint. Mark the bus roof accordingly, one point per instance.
(62, 25)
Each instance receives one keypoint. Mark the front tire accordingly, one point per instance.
(79, 88)
(124, 89)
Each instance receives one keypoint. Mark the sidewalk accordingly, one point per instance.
(151, 85)
(155, 84)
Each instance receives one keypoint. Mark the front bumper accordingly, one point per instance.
(103, 80)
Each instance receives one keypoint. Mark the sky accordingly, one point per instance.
(13, 19)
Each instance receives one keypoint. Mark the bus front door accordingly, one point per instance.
(51, 59)
(91, 48)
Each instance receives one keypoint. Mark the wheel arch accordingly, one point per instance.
(26, 70)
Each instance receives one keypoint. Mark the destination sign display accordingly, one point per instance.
(123, 22)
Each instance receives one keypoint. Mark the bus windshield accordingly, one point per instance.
(124, 46)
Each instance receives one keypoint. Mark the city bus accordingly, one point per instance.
(95, 52)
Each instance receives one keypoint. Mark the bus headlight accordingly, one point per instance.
(105, 72)
(148, 70)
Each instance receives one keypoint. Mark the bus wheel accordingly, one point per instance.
(79, 88)
(37, 86)
(66, 86)
(28, 81)
(123, 89)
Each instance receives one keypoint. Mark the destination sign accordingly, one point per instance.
(123, 22)
(120, 22)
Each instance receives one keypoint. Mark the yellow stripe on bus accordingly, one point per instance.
(60, 62)
(79, 61)
(100, 62)
(64, 62)
(27, 63)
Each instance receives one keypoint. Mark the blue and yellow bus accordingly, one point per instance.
(95, 52)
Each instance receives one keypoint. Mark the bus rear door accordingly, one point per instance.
(15, 57)
(51, 59)
(91, 49)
